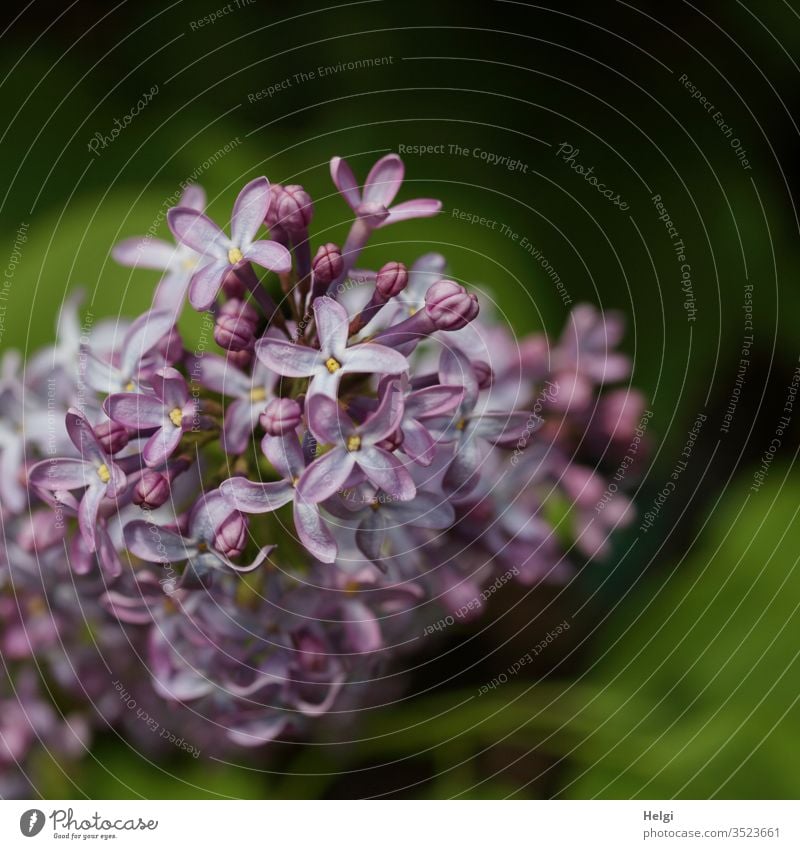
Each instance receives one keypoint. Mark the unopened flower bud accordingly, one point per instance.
(231, 536)
(391, 280)
(282, 415)
(240, 359)
(450, 306)
(233, 285)
(294, 208)
(113, 436)
(328, 263)
(236, 325)
(151, 490)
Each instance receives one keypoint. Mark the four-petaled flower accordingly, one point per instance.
(204, 546)
(356, 449)
(223, 254)
(170, 410)
(93, 469)
(373, 204)
(178, 262)
(286, 455)
(333, 359)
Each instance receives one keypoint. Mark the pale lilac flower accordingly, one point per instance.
(327, 365)
(355, 448)
(251, 394)
(373, 205)
(205, 546)
(178, 262)
(286, 455)
(92, 469)
(470, 431)
(138, 355)
(223, 254)
(170, 411)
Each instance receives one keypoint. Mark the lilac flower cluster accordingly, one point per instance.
(241, 536)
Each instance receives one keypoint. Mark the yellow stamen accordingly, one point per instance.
(258, 394)
(295, 481)
(332, 365)
(202, 547)
(353, 443)
(104, 474)
(189, 264)
(234, 256)
(461, 425)
(130, 386)
(176, 416)
(351, 587)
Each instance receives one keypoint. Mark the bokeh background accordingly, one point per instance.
(679, 675)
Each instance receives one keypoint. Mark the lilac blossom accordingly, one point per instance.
(223, 254)
(170, 412)
(214, 534)
(92, 470)
(178, 262)
(394, 454)
(328, 364)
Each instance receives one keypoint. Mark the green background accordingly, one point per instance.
(679, 675)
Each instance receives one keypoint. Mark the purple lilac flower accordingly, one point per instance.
(356, 449)
(93, 471)
(414, 478)
(328, 364)
(373, 204)
(286, 455)
(250, 391)
(215, 532)
(178, 262)
(222, 254)
(170, 412)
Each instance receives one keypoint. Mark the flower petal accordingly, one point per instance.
(254, 497)
(194, 197)
(434, 401)
(144, 252)
(505, 428)
(142, 337)
(206, 283)
(419, 208)
(387, 472)
(199, 232)
(288, 358)
(286, 454)
(456, 370)
(327, 421)
(82, 436)
(332, 327)
(219, 375)
(135, 410)
(60, 473)
(159, 448)
(170, 386)
(157, 545)
(418, 444)
(87, 514)
(372, 358)
(249, 212)
(326, 475)
(345, 181)
(270, 255)
(386, 419)
(384, 180)
(312, 532)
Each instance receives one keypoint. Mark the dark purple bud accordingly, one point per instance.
(391, 280)
(240, 359)
(41, 530)
(483, 374)
(450, 306)
(231, 536)
(294, 209)
(151, 490)
(236, 325)
(275, 195)
(233, 285)
(282, 415)
(113, 436)
(328, 263)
